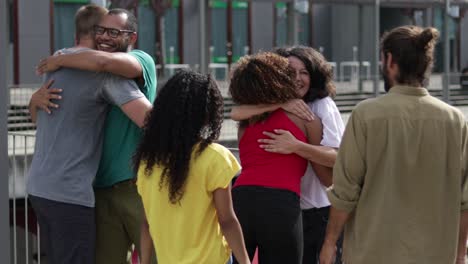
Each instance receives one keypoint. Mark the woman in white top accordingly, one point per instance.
(313, 72)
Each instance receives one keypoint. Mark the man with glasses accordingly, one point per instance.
(69, 145)
(118, 205)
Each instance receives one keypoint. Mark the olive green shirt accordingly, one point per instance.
(401, 172)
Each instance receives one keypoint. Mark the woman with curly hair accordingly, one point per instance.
(266, 193)
(184, 178)
(314, 81)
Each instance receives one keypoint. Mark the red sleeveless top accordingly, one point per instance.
(262, 168)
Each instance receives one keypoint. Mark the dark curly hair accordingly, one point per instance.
(187, 114)
(320, 71)
(263, 78)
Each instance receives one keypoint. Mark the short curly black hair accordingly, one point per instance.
(320, 71)
(187, 113)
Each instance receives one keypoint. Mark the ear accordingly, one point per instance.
(133, 38)
(389, 60)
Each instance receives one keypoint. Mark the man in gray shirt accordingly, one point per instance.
(68, 149)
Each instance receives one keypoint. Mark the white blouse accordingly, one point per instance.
(313, 193)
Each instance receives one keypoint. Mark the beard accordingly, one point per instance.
(387, 82)
(122, 46)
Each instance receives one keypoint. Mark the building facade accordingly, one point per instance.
(172, 30)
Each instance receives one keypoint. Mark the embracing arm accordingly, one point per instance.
(32, 110)
(314, 135)
(229, 224)
(40, 99)
(137, 110)
(295, 106)
(242, 112)
(146, 243)
(119, 63)
(282, 141)
(323, 155)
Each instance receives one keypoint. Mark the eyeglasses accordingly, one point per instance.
(112, 32)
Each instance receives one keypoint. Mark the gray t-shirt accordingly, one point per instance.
(69, 141)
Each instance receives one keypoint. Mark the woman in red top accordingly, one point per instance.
(266, 193)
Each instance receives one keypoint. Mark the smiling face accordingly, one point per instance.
(302, 75)
(121, 42)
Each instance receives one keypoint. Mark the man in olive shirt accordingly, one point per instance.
(399, 186)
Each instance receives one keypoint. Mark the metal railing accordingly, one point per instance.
(20, 150)
(355, 70)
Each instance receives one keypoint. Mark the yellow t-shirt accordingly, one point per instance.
(189, 232)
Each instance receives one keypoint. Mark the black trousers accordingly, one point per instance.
(69, 231)
(271, 220)
(315, 224)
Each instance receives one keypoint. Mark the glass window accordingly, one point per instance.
(64, 24)
(439, 49)
(171, 29)
(281, 29)
(239, 29)
(146, 28)
(10, 51)
(10, 20)
(218, 32)
(302, 11)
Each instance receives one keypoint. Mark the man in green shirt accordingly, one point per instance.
(400, 185)
(118, 205)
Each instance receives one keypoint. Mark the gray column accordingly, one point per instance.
(360, 46)
(464, 39)
(204, 40)
(191, 35)
(4, 204)
(446, 78)
(293, 38)
(195, 33)
(262, 26)
(33, 32)
(377, 49)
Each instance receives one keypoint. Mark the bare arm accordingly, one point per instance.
(229, 224)
(242, 112)
(335, 225)
(146, 243)
(41, 99)
(283, 142)
(462, 237)
(314, 135)
(296, 106)
(137, 110)
(119, 63)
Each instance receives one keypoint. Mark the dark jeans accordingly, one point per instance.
(271, 220)
(69, 230)
(315, 224)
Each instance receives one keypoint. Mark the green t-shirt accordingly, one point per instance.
(121, 135)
